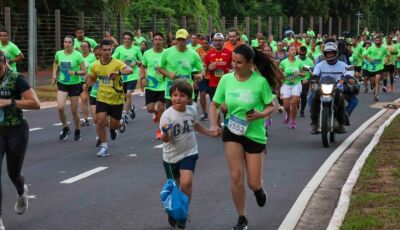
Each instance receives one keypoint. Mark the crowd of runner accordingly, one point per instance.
(241, 77)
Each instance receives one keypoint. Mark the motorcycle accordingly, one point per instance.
(328, 86)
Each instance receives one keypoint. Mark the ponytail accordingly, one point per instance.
(264, 64)
(268, 69)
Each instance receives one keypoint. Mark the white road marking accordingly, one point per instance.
(294, 214)
(83, 175)
(132, 155)
(160, 146)
(59, 124)
(35, 129)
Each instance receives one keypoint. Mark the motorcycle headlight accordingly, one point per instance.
(327, 89)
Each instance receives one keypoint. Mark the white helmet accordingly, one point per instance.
(329, 47)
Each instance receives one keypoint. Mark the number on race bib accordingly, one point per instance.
(237, 126)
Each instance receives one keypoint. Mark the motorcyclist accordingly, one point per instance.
(331, 67)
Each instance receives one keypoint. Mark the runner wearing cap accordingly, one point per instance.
(218, 62)
(179, 62)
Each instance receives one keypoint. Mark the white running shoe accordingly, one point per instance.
(22, 202)
(103, 152)
(123, 126)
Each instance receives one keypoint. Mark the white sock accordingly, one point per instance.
(104, 145)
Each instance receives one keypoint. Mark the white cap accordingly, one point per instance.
(218, 36)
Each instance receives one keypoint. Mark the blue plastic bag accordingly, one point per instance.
(175, 203)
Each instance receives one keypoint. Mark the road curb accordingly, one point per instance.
(344, 200)
(295, 213)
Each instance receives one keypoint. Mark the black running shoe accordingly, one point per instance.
(181, 224)
(261, 197)
(132, 112)
(85, 122)
(98, 142)
(113, 134)
(241, 224)
(171, 221)
(64, 133)
(78, 136)
(204, 117)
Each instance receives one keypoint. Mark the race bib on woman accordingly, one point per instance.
(237, 126)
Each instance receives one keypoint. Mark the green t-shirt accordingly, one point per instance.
(314, 55)
(356, 56)
(273, 45)
(240, 97)
(183, 64)
(365, 64)
(88, 59)
(392, 50)
(138, 40)
(244, 38)
(378, 56)
(151, 61)
(66, 63)
(306, 62)
(398, 57)
(95, 86)
(11, 51)
(194, 48)
(291, 71)
(128, 56)
(310, 33)
(254, 43)
(77, 43)
(288, 41)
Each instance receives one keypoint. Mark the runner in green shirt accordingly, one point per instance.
(153, 80)
(80, 37)
(180, 62)
(138, 38)
(314, 51)
(249, 99)
(244, 38)
(254, 42)
(272, 43)
(10, 50)
(390, 61)
(291, 88)
(375, 56)
(356, 57)
(131, 56)
(69, 65)
(365, 66)
(194, 45)
(310, 33)
(306, 61)
(92, 88)
(88, 57)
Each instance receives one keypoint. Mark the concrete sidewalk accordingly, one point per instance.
(323, 202)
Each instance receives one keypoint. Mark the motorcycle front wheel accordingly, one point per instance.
(325, 130)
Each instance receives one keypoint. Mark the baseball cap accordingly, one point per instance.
(218, 36)
(181, 33)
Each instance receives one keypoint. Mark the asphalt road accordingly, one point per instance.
(125, 195)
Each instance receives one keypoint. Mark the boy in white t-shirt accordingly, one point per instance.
(180, 153)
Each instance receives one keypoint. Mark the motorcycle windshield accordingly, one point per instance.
(328, 80)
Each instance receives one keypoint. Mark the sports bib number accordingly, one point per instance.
(106, 81)
(237, 126)
(219, 72)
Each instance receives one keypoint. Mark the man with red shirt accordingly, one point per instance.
(296, 42)
(218, 62)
